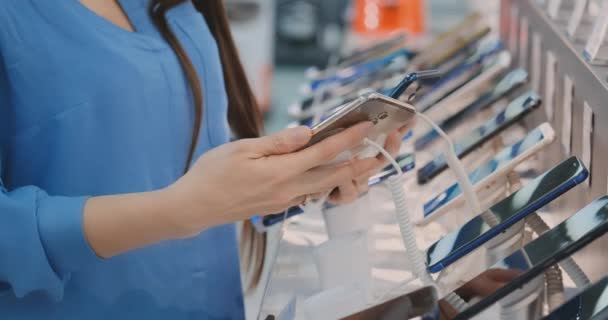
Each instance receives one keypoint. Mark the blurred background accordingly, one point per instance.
(279, 40)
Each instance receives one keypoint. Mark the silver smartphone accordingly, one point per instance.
(387, 115)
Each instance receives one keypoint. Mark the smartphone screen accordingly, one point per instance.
(511, 82)
(516, 110)
(509, 211)
(419, 303)
(503, 158)
(533, 259)
(590, 304)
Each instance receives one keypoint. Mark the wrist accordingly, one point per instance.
(179, 213)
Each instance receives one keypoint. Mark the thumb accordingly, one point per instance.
(285, 141)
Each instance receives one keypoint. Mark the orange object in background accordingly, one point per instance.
(386, 16)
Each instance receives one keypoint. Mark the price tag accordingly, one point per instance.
(536, 61)
(567, 115)
(595, 51)
(553, 8)
(550, 75)
(513, 24)
(588, 122)
(580, 6)
(524, 29)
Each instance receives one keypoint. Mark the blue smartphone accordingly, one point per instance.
(590, 304)
(458, 77)
(531, 261)
(503, 163)
(514, 112)
(504, 87)
(407, 162)
(351, 73)
(509, 211)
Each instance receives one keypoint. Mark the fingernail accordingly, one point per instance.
(301, 135)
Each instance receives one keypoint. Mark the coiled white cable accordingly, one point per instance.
(461, 175)
(555, 287)
(416, 258)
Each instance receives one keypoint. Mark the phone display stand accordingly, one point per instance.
(526, 303)
(558, 10)
(576, 50)
(345, 219)
(596, 49)
(580, 21)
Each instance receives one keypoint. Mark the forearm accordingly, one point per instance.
(119, 223)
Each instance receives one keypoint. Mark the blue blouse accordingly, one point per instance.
(88, 108)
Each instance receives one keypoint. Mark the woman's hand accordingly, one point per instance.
(351, 190)
(230, 183)
(265, 175)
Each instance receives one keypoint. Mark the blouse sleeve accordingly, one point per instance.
(41, 236)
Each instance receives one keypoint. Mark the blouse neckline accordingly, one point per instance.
(87, 18)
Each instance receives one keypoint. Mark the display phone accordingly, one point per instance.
(419, 303)
(453, 80)
(514, 112)
(531, 261)
(387, 115)
(500, 89)
(378, 49)
(407, 162)
(349, 74)
(490, 172)
(386, 87)
(461, 38)
(508, 212)
(590, 304)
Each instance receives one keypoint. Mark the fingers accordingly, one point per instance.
(345, 193)
(406, 128)
(328, 149)
(393, 144)
(283, 142)
(325, 178)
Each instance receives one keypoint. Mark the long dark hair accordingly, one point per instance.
(243, 113)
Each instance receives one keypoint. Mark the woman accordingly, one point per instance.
(117, 192)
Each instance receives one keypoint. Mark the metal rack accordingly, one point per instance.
(569, 83)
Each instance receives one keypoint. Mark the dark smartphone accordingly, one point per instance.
(504, 87)
(407, 162)
(590, 304)
(419, 303)
(536, 257)
(508, 211)
(514, 112)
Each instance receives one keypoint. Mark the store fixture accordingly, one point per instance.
(340, 260)
(549, 38)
